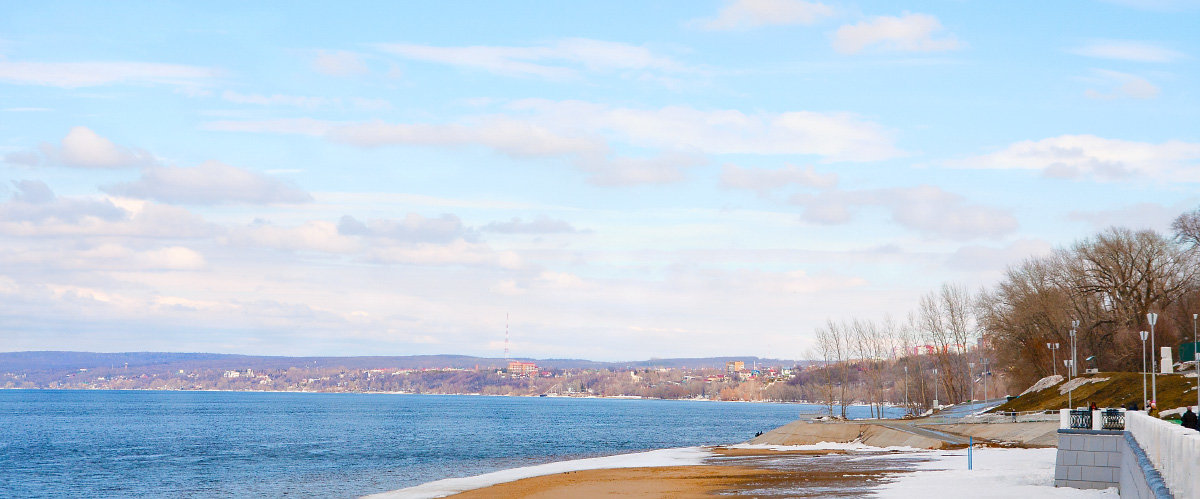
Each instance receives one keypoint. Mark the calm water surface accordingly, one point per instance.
(206, 444)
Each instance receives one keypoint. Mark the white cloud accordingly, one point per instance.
(339, 63)
(746, 14)
(211, 182)
(34, 202)
(553, 128)
(1118, 84)
(90, 74)
(1137, 216)
(1079, 156)
(581, 132)
(624, 171)
(559, 280)
(763, 181)
(172, 257)
(837, 136)
(515, 138)
(35, 211)
(457, 253)
(927, 209)
(539, 225)
(413, 228)
(114, 256)
(989, 258)
(83, 148)
(288, 126)
(305, 102)
(561, 60)
(275, 100)
(8, 286)
(314, 235)
(1128, 50)
(908, 33)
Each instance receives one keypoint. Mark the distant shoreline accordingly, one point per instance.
(616, 397)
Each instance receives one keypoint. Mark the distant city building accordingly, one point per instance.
(734, 366)
(518, 368)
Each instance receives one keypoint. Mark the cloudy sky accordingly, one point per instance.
(626, 180)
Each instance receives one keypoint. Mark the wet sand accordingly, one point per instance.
(731, 472)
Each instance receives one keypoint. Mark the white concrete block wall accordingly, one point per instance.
(1173, 449)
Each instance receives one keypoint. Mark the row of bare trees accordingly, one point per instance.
(1107, 282)
(929, 355)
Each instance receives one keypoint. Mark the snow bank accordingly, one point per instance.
(1173, 449)
(684, 456)
(1076, 383)
(847, 446)
(1043, 384)
(1178, 411)
(998, 473)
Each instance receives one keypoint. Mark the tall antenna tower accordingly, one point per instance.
(506, 338)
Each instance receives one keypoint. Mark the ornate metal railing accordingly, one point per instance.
(1081, 419)
(1112, 419)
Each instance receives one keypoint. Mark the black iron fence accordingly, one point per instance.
(1112, 419)
(1081, 419)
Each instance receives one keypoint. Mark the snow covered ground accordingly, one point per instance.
(997, 473)
(682, 456)
(846, 446)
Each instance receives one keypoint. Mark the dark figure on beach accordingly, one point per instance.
(1190, 420)
(1133, 406)
(1092, 406)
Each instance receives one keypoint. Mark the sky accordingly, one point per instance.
(604, 180)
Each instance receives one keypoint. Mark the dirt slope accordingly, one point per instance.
(1118, 390)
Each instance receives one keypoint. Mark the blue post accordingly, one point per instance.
(970, 448)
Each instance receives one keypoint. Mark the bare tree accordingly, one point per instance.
(825, 346)
(1186, 228)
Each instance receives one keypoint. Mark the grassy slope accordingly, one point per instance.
(1174, 390)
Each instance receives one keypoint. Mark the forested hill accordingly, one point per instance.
(54, 360)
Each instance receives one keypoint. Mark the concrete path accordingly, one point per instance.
(910, 427)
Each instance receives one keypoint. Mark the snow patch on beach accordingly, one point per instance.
(847, 446)
(1178, 411)
(1076, 383)
(1043, 384)
(683, 456)
(998, 473)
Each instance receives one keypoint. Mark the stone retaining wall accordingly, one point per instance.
(1098, 459)
(1089, 459)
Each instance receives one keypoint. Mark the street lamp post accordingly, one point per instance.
(1074, 371)
(1053, 357)
(971, 379)
(1144, 334)
(935, 388)
(985, 377)
(906, 411)
(1152, 318)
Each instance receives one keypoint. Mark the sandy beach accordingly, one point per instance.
(731, 471)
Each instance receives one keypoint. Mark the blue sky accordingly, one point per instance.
(625, 180)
